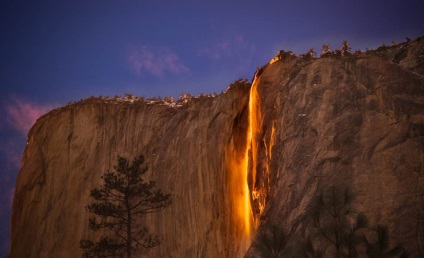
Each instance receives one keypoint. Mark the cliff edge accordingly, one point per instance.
(354, 120)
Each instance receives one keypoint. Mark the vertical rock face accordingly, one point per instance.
(356, 120)
(185, 149)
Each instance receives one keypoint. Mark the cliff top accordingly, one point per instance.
(408, 54)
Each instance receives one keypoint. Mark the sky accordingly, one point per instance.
(53, 52)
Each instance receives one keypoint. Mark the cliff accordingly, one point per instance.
(304, 123)
(185, 149)
(356, 120)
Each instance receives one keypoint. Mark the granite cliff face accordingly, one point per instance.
(356, 120)
(185, 148)
(240, 161)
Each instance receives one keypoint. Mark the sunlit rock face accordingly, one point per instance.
(185, 147)
(241, 161)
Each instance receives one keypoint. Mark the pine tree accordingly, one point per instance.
(345, 48)
(311, 53)
(119, 203)
(325, 50)
(272, 243)
(380, 247)
(346, 231)
(334, 220)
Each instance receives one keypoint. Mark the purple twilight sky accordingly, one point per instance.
(53, 52)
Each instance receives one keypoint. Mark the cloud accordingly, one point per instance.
(21, 114)
(234, 47)
(156, 63)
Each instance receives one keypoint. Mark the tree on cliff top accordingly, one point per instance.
(345, 48)
(325, 50)
(119, 202)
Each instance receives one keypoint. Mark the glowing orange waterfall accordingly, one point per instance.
(239, 165)
(248, 214)
(251, 154)
(254, 121)
(249, 160)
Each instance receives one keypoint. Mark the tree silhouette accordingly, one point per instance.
(380, 247)
(310, 54)
(336, 222)
(273, 243)
(310, 251)
(119, 202)
(325, 50)
(332, 221)
(345, 48)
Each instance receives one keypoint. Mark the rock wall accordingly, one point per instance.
(356, 120)
(185, 149)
